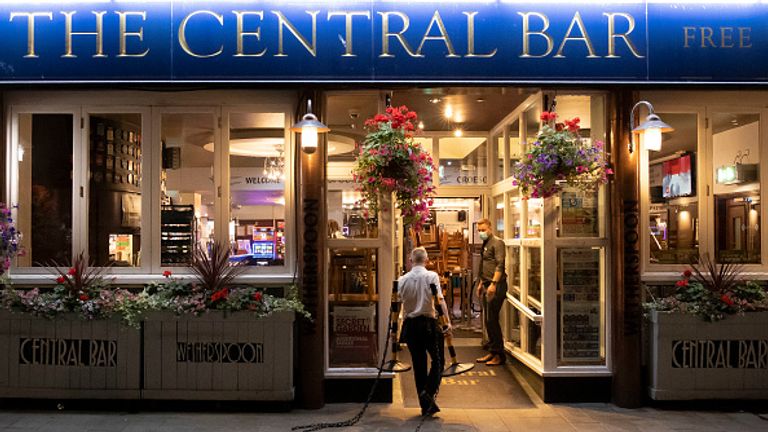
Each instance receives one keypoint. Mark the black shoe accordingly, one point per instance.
(432, 410)
(427, 402)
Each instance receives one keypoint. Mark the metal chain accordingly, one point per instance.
(352, 421)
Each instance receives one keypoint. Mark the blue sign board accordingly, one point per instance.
(503, 41)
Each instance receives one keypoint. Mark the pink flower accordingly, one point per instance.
(608, 171)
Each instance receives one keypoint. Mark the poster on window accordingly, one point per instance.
(580, 307)
(353, 336)
(578, 213)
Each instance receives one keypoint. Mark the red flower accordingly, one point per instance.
(257, 296)
(219, 295)
(687, 273)
(573, 124)
(547, 116)
(682, 283)
(72, 271)
(61, 279)
(727, 300)
(167, 273)
(84, 297)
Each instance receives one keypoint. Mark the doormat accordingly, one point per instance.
(484, 387)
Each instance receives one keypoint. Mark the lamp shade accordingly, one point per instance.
(309, 127)
(651, 130)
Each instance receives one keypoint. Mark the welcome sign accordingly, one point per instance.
(380, 41)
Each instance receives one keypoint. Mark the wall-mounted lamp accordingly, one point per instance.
(651, 129)
(20, 153)
(309, 127)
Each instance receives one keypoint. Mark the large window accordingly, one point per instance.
(673, 216)
(463, 161)
(45, 188)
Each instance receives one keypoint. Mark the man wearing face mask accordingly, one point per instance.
(492, 290)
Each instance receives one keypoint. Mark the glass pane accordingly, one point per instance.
(515, 209)
(114, 207)
(534, 338)
(532, 118)
(512, 324)
(674, 209)
(257, 183)
(498, 216)
(580, 330)
(186, 186)
(352, 298)
(578, 213)
(533, 264)
(499, 140)
(346, 216)
(736, 164)
(515, 145)
(513, 270)
(463, 161)
(45, 189)
(535, 206)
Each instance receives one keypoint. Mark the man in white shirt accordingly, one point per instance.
(421, 331)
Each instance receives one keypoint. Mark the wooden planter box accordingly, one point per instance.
(68, 358)
(694, 359)
(217, 356)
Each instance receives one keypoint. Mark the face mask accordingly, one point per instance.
(484, 235)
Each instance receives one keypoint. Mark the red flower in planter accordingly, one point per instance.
(682, 283)
(72, 271)
(219, 295)
(60, 279)
(257, 296)
(727, 300)
(687, 273)
(167, 274)
(84, 297)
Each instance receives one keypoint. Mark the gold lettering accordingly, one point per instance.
(31, 29)
(99, 33)
(612, 35)
(21, 352)
(688, 36)
(584, 37)
(745, 37)
(726, 37)
(527, 33)
(242, 34)
(183, 33)
(125, 34)
(348, 52)
(436, 19)
(283, 22)
(706, 36)
(386, 34)
(675, 363)
(471, 38)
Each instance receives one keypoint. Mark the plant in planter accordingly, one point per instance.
(10, 240)
(214, 288)
(560, 156)
(712, 291)
(390, 161)
(80, 289)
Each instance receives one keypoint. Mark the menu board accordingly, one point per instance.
(580, 307)
(578, 213)
(353, 336)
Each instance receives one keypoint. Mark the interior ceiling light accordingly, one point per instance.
(458, 118)
(274, 167)
(480, 100)
(448, 112)
(458, 133)
(421, 125)
(435, 100)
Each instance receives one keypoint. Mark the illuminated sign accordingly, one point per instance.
(381, 41)
(736, 174)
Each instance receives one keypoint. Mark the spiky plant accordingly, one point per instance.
(213, 270)
(80, 278)
(716, 278)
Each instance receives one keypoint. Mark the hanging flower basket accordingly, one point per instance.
(390, 161)
(559, 157)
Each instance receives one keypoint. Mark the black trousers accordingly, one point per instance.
(492, 326)
(423, 336)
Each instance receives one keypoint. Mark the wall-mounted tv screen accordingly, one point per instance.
(679, 175)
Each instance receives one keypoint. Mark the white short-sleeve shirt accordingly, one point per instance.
(415, 293)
